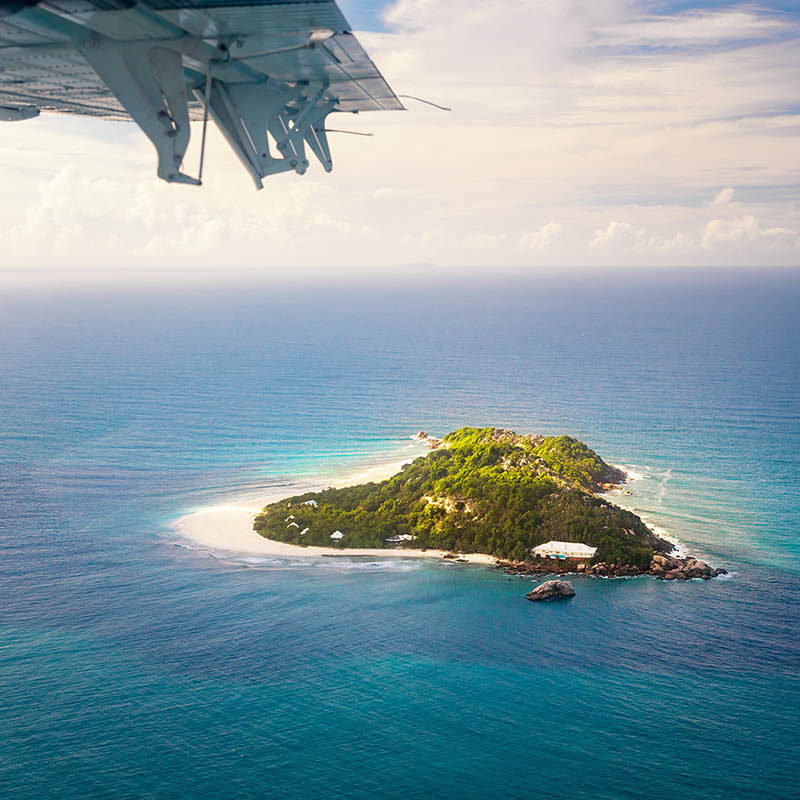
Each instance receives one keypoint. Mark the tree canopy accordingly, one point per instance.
(485, 490)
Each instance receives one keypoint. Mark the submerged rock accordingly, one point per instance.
(550, 590)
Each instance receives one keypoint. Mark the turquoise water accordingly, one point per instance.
(134, 665)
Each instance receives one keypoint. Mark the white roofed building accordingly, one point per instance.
(337, 535)
(564, 550)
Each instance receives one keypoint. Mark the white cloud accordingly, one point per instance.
(601, 116)
(723, 197)
(543, 237)
(746, 231)
(323, 219)
(619, 234)
(622, 237)
(485, 239)
(386, 192)
(671, 244)
(431, 236)
(694, 27)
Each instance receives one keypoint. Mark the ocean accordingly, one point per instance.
(136, 665)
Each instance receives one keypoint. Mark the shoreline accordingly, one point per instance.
(228, 527)
(614, 495)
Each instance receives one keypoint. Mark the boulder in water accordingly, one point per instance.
(551, 590)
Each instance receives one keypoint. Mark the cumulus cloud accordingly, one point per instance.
(600, 115)
(746, 231)
(323, 219)
(622, 237)
(543, 237)
(76, 220)
(669, 244)
(722, 197)
(617, 234)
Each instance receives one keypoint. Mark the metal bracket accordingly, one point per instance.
(316, 137)
(148, 78)
(247, 112)
(297, 125)
(149, 83)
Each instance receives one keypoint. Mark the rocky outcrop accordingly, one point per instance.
(669, 568)
(433, 442)
(453, 504)
(613, 487)
(551, 590)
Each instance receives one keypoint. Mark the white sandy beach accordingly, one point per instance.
(229, 528)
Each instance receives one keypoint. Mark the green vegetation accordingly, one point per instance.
(486, 490)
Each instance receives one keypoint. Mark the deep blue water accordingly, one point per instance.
(134, 668)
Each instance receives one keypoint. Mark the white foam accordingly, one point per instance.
(351, 565)
(252, 561)
(662, 489)
(337, 564)
(678, 550)
(635, 472)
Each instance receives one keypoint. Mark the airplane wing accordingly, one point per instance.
(267, 72)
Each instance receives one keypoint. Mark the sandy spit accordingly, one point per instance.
(229, 528)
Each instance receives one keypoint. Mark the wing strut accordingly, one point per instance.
(206, 95)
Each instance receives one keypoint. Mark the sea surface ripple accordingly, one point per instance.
(133, 665)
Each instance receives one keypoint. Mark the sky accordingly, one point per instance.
(616, 133)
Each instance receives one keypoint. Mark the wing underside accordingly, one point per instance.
(246, 64)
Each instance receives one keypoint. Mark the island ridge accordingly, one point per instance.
(484, 490)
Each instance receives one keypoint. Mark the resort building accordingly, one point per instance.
(403, 537)
(564, 550)
(337, 535)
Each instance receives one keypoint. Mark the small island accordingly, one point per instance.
(530, 501)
